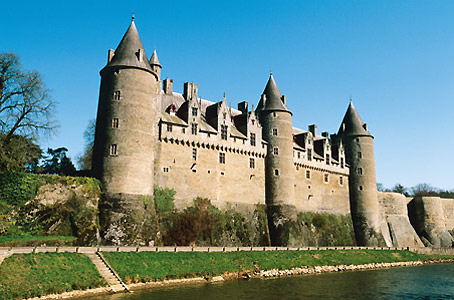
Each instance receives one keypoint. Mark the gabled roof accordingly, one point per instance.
(127, 53)
(154, 59)
(352, 123)
(273, 100)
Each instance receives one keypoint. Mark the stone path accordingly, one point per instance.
(2, 257)
(107, 272)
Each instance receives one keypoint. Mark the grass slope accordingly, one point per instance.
(38, 274)
(31, 241)
(150, 266)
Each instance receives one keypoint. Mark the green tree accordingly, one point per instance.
(20, 154)
(26, 109)
(398, 188)
(84, 160)
(58, 163)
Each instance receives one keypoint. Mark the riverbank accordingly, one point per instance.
(53, 272)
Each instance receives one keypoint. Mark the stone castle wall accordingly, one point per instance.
(315, 194)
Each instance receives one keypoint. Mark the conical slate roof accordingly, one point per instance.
(154, 59)
(352, 123)
(130, 51)
(273, 99)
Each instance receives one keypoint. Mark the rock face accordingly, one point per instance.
(67, 209)
(428, 217)
(395, 224)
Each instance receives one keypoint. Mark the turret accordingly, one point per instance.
(276, 121)
(125, 129)
(359, 154)
(155, 64)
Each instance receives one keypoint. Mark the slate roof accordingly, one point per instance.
(154, 59)
(127, 52)
(273, 99)
(352, 123)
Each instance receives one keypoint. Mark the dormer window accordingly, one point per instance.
(223, 132)
(342, 162)
(194, 111)
(169, 127)
(253, 121)
(327, 159)
(224, 115)
(252, 139)
(172, 109)
(194, 129)
(309, 154)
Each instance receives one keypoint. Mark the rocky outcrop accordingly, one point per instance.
(395, 224)
(428, 217)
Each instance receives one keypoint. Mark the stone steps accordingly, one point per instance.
(112, 279)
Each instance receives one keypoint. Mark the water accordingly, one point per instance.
(422, 282)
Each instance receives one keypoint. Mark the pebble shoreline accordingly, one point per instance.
(273, 273)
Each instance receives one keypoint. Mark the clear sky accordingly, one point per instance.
(395, 58)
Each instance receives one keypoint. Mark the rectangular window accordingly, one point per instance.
(194, 111)
(117, 95)
(360, 155)
(326, 177)
(223, 132)
(276, 172)
(113, 149)
(165, 170)
(299, 154)
(252, 139)
(115, 123)
(276, 151)
(222, 158)
(309, 154)
(194, 154)
(341, 180)
(342, 162)
(360, 171)
(360, 188)
(183, 130)
(194, 129)
(274, 131)
(327, 159)
(308, 174)
(251, 163)
(169, 127)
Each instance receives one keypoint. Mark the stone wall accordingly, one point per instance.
(316, 195)
(225, 184)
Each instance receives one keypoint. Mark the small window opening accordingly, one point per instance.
(115, 123)
(251, 163)
(194, 154)
(169, 127)
(223, 132)
(194, 129)
(113, 149)
(252, 139)
(274, 131)
(222, 158)
(326, 177)
(276, 172)
(194, 111)
(308, 174)
(276, 151)
(117, 95)
(360, 171)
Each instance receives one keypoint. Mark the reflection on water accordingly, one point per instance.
(422, 282)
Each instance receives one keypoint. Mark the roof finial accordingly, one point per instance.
(271, 72)
(133, 16)
(224, 95)
(351, 98)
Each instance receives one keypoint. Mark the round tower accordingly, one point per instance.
(123, 149)
(276, 120)
(359, 154)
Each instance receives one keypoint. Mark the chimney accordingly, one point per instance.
(325, 134)
(110, 55)
(242, 106)
(313, 130)
(168, 86)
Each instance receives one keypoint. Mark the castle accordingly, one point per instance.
(147, 134)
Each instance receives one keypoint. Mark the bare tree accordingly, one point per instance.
(26, 108)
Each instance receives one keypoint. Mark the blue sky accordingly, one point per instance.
(395, 58)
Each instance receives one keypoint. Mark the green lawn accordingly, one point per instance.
(31, 241)
(38, 274)
(149, 266)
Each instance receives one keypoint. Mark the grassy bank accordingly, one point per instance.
(38, 274)
(151, 266)
(33, 241)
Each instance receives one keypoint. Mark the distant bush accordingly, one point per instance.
(164, 200)
(322, 229)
